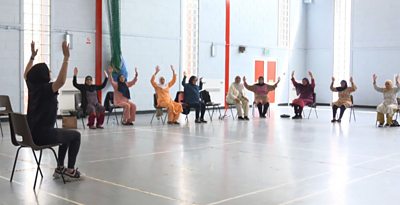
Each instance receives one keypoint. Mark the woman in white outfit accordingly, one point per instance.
(389, 105)
(236, 96)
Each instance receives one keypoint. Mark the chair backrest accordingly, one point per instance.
(109, 101)
(205, 96)
(19, 126)
(180, 97)
(78, 100)
(155, 100)
(5, 104)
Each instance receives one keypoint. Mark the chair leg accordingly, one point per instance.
(209, 114)
(165, 118)
(108, 117)
(55, 155)
(151, 121)
(36, 160)
(1, 128)
(15, 163)
(38, 168)
(316, 113)
(233, 116)
(116, 117)
(83, 123)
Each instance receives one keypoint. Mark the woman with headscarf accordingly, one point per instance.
(305, 91)
(389, 104)
(191, 93)
(261, 91)
(163, 97)
(42, 113)
(344, 100)
(122, 96)
(90, 103)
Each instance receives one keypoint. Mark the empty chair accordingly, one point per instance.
(206, 98)
(5, 109)
(19, 126)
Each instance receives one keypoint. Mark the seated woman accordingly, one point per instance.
(306, 90)
(344, 100)
(236, 96)
(192, 97)
(42, 113)
(389, 104)
(90, 103)
(122, 96)
(163, 97)
(261, 91)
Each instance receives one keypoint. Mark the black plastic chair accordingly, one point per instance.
(110, 107)
(79, 111)
(19, 126)
(5, 109)
(163, 118)
(313, 106)
(206, 98)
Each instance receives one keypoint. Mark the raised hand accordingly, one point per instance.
(172, 68)
(106, 74)
(33, 50)
(351, 79)
(75, 71)
(333, 79)
(310, 74)
(201, 79)
(157, 69)
(65, 49)
(184, 73)
(244, 78)
(110, 69)
(136, 73)
(279, 79)
(374, 77)
(292, 74)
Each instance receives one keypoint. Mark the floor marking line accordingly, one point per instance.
(294, 182)
(163, 152)
(44, 191)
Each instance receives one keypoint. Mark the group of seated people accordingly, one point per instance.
(43, 104)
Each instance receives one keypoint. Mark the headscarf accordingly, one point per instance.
(191, 79)
(123, 88)
(300, 88)
(340, 89)
(89, 88)
(260, 84)
(162, 86)
(390, 82)
(39, 74)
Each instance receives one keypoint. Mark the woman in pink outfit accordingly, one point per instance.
(122, 96)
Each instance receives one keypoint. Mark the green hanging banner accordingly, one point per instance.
(114, 18)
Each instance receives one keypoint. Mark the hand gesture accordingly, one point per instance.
(110, 69)
(157, 69)
(244, 78)
(106, 74)
(333, 79)
(172, 68)
(184, 73)
(351, 79)
(65, 49)
(310, 74)
(374, 77)
(201, 79)
(136, 73)
(292, 74)
(75, 71)
(33, 50)
(279, 79)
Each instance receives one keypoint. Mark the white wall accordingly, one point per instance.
(11, 69)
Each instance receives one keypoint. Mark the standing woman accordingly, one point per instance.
(389, 104)
(261, 91)
(344, 100)
(42, 113)
(122, 96)
(90, 103)
(164, 98)
(305, 91)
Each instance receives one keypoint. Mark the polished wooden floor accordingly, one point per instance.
(264, 161)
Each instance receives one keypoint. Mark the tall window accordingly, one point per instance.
(37, 28)
(190, 36)
(283, 24)
(342, 37)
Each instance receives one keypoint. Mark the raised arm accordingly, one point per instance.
(62, 75)
(74, 81)
(111, 79)
(248, 87)
(104, 84)
(184, 79)
(312, 79)
(333, 89)
(133, 82)
(153, 77)
(374, 77)
(173, 80)
(353, 85)
(30, 63)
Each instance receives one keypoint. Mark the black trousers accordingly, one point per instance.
(200, 109)
(334, 111)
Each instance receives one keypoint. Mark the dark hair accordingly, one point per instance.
(306, 79)
(261, 77)
(119, 76)
(341, 88)
(88, 78)
(39, 74)
(191, 79)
